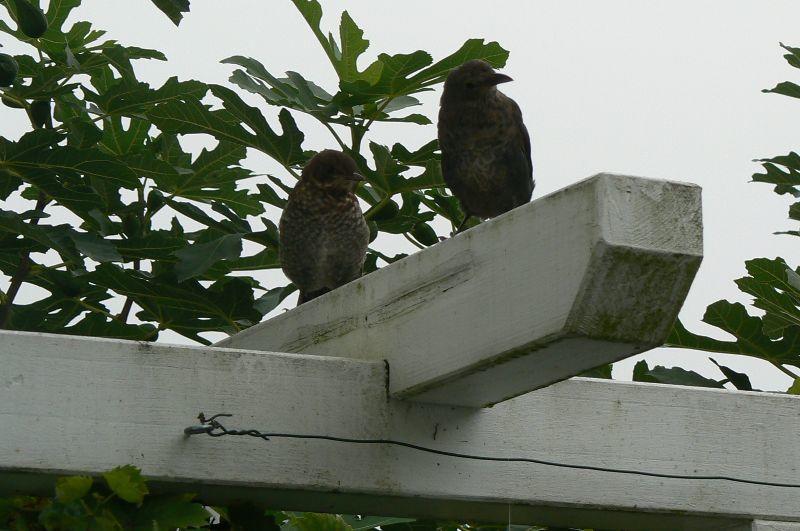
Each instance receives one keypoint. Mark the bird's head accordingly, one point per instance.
(333, 171)
(473, 80)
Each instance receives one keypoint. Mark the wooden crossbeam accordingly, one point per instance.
(71, 405)
(587, 275)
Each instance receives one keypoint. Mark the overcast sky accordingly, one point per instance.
(656, 89)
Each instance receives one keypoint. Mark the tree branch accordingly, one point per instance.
(126, 308)
(24, 267)
(784, 370)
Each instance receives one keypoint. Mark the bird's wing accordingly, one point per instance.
(520, 158)
(452, 168)
(302, 241)
(526, 144)
(525, 137)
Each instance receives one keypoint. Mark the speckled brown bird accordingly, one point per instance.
(323, 233)
(486, 149)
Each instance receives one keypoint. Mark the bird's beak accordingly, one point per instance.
(355, 176)
(498, 78)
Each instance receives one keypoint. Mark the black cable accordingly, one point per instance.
(215, 429)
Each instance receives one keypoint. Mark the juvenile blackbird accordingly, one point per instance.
(486, 149)
(323, 234)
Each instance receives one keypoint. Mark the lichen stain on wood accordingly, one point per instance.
(445, 276)
(624, 281)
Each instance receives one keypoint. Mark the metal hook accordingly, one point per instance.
(207, 425)
(198, 429)
(202, 418)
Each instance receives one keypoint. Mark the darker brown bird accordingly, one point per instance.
(323, 234)
(486, 149)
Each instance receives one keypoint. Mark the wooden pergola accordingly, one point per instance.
(417, 352)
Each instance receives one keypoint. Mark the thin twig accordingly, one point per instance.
(412, 240)
(126, 308)
(379, 110)
(784, 370)
(335, 134)
(376, 207)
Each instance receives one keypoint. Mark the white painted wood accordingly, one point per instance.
(764, 525)
(585, 276)
(72, 405)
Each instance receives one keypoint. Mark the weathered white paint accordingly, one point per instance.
(764, 525)
(585, 276)
(73, 405)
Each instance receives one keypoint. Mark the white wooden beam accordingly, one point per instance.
(72, 405)
(764, 525)
(588, 275)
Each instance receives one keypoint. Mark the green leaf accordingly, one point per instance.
(226, 124)
(268, 195)
(401, 102)
(53, 237)
(318, 522)
(157, 245)
(739, 380)
(186, 307)
(671, 375)
(249, 516)
(424, 234)
(83, 134)
(118, 140)
(98, 325)
(196, 259)
(272, 298)
(776, 290)
(312, 13)
(386, 175)
(137, 98)
(265, 259)
(395, 79)
(443, 204)
(365, 523)
(36, 160)
(795, 388)
(95, 247)
(213, 178)
(65, 516)
(170, 512)
(430, 178)
(285, 148)
(419, 119)
(193, 212)
(352, 45)
(293, 91)
(603, 371)
(491, 52)
(787, 88)
(127, 483)
(174, 9)
(70, 489)
(420, 157)
(793, 57)
(748, 331)
(58, 11)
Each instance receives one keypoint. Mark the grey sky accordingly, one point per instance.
(657, 89)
